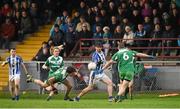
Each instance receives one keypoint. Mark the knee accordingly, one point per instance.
(16, 85)
(69, 87)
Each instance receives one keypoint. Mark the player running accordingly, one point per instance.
(126, 67)
(14, 62)
(99, 58)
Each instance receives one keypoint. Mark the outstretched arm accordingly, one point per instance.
(4, 63)
(144, 55)
(108, 64)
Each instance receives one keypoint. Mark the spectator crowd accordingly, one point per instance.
(95, 19)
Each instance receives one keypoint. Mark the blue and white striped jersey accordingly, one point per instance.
(99, 59)
(14, 64)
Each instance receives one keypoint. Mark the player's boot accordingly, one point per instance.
(68, 98)
(76, 99)
(29, 78)
(118, 98)
(48, 98)
(111, 99)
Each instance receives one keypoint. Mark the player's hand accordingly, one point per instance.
(152, 57)
(3, 64)
(44, 67)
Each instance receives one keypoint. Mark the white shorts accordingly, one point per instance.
(14, 77)
(93, 79)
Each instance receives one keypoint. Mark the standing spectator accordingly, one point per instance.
(85, 33)
(26, 25)
(168, 33)
(70, 40)
(156, 33)
(104, 17)
(96, 22)
(7, 32)
(106, 36)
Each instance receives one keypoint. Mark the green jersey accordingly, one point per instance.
(125, 60)
(60, 75)
(54, 63)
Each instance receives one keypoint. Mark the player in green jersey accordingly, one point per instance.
(126, 67)
(59, 76)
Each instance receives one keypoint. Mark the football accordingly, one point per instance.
(92, 66)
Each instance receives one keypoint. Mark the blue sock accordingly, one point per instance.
(17, 97)
(110, 97)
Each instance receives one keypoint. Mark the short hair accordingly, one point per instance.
(12, 48)
(56, 25)
(70, 69)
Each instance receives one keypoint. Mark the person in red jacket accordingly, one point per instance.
(7, 32)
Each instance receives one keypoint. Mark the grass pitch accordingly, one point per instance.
(91, 100)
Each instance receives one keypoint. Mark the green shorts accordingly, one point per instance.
(127, 76)
(59, 78)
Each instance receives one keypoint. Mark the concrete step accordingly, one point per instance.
(37, 39)
(4, 79)
(1, 88)
(29, 46)
(3, 75)
(41, 34)
(3, 83)
(33, 42)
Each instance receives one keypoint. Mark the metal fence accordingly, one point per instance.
(163, 75)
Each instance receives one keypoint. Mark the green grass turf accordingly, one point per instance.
(91, 100)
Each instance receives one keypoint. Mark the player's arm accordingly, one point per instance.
(24, 67)
(144, 55)
(4, 63)
(46, 64)
(109, 63)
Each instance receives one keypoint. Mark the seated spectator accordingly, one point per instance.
(79, 25)
(60, 24)
(7, 33)
(58, 36)
(136, 18)
(26, 26)
(98, 34)
(118, 36)
(17, 22)
(147, 25)
(6, 9)
(146, 11)
(68, 24)
(141, 34)
(33, 10)
(128, 36)
(76, 18)
(113, 24)
(96, 22)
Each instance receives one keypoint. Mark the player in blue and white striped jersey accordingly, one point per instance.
(14, 62)
(97, 75)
